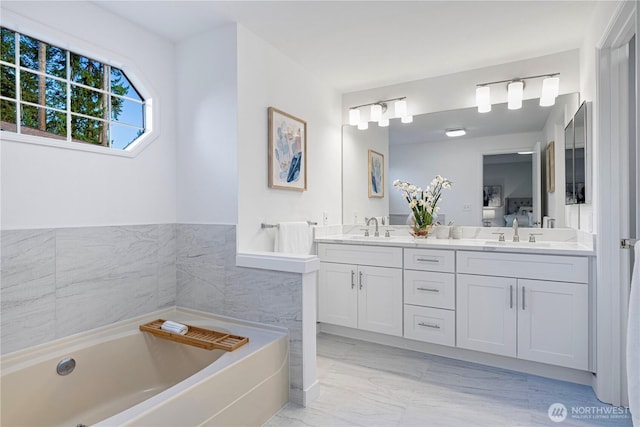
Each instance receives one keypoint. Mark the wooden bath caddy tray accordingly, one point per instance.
(199, 337)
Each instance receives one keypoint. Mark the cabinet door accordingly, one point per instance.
(553, 323)
(338, 294)
(486, 314)
(380, 300)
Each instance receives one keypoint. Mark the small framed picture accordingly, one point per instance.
(550, 157)
(376, 174)
(287, 151)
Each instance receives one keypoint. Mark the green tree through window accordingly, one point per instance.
(51, 92)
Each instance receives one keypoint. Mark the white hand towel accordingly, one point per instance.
(174, 327)
(633, 341)
(293, 238)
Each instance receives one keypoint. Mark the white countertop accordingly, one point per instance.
(474, 244)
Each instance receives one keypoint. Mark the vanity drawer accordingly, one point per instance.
(430, 289)
(379, 256)
(432, 325)
(526, 266)
(429, 260)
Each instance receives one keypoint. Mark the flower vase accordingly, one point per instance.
(421, 232)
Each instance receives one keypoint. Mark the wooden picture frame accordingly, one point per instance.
(375, 177)
(287, 151)
(550, 164)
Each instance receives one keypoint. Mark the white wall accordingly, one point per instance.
(268, 78)
(356, 203)
(461, 162)
(44, 186)
(207, 156)
(588, 79)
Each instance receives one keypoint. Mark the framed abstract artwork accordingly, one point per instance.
(287, 151)
(376, 174)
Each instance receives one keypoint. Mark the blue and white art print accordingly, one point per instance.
(376, 174)
(287, 151)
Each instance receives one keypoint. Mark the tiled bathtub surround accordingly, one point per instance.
(57, 282)
(208, 280)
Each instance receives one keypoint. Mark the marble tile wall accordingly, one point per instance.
(58, 282)
(208, 280)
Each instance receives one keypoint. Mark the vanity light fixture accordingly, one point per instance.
(483, 99)
(354, 116)
(525, 152)
(515, 92)
(455, 132)
(550, 89)
(378, 113)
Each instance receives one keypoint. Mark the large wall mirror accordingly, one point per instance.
(498, 150)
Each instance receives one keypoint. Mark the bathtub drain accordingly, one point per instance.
(66, 366)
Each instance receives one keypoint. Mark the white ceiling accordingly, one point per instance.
(355, 45)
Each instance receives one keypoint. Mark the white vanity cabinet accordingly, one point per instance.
(361, 287)
(429, 295)
(533, 307)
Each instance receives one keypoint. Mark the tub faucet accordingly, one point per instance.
(516, 237)
(373, 218)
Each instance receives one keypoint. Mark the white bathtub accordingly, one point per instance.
(126, 377)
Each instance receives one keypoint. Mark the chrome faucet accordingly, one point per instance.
(377, 233)
(516, 237)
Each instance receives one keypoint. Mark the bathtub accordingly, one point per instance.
(125, 377)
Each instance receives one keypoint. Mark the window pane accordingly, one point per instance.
(30, 53)
(8, 81)
(7, 115)
(40, 56)
(122, 136)
(43, 122)
(30, 87)
(88, 130)
(43, 90)
(120, 85)
(8, 45)
(89, 102)
(87, 71)
(56, 94)
(56, 62)
(125, 111)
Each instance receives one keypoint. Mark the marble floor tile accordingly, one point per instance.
(366, 384)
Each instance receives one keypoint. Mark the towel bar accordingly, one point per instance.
(263, 225)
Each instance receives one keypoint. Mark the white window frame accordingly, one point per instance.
(19, 24)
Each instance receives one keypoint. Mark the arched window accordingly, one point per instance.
(50, 92)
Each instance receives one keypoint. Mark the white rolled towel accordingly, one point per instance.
(174, 327)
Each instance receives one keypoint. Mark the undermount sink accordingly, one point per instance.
(361, 237)
(521, 244)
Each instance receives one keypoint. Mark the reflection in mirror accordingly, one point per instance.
(569, 162)
(507, 190)
(579, 154)
(576, 168)
(419, 151)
